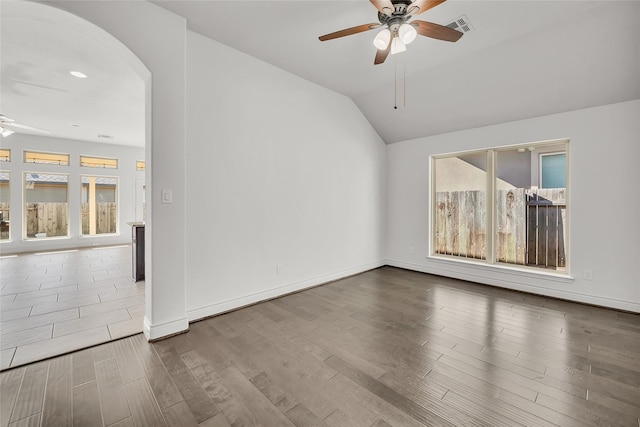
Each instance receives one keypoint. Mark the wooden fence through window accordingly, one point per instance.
(51, 219)
(106, 218)
(530, 226)
(47, 219)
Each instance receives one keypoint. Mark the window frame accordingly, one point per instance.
(491, 263)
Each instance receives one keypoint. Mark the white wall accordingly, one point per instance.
(126, 174)
(280, 171)
(604, 226)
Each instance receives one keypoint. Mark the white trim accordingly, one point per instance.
(235, 303)
(510, 282)
(154, 332)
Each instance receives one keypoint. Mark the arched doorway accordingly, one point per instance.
(104, 113)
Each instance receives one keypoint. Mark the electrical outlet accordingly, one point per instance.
(588, 275)
(412, 250)
(279, 269)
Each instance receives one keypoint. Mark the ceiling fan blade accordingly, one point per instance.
(384, 6)
(25, 127)
(436, 31)
(419, 6)
(381, 55)
(349, 31)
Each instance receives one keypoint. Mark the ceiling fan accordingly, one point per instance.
(7, 126)
(394, 17)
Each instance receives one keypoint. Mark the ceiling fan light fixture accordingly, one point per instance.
(407, 33)
(397, 46)
(78, 74)
(381, 41)
(6, 132)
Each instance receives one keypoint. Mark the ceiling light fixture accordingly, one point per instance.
(397, 46)
(407, 33)
(78, 74)
(5, 132)
(381, 41)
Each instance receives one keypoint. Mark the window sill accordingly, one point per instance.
(530, 273)
(40, 239)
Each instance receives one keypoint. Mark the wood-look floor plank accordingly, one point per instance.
(400, 402)
(163, 387)
(286, 372)
(280, 398)
(301, 416)
(111, 392)
(144, 408)
(10, 382)
(86, 405)
(83, 367)
(191, 390)
(232, 409)
(124, 423)
(128, 363)
(243, 391)
(179, 415)
(32, 421)
(57, 400)
(216, 421)
(31, 395)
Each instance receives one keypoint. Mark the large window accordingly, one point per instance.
(99, 205)
(502, 206)
(46, 205)
(5, 204)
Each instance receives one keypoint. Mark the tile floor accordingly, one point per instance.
(56, 302)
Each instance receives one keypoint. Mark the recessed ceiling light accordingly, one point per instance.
(78, 74)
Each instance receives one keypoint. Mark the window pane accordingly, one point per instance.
(140, 165)
(46, 209)
(5, 155)
(460, 214)
(530, 222)
(98, 162)
(99, 205)
(5, 203)
(46, 158)
(553, 170)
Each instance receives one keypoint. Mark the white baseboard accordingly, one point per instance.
(519, 286)
(235, 303)
(162, 330)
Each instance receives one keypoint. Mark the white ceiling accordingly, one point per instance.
(522, 59)
(40, 45)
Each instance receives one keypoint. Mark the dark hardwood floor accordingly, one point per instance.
(384, 348)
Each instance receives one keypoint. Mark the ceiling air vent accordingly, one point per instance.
(461, 24)
(105, 136)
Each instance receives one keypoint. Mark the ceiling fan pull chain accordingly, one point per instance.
(395, 82)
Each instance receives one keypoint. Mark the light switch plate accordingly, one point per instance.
(167, 196)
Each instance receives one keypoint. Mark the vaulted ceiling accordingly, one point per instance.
(521, 59)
